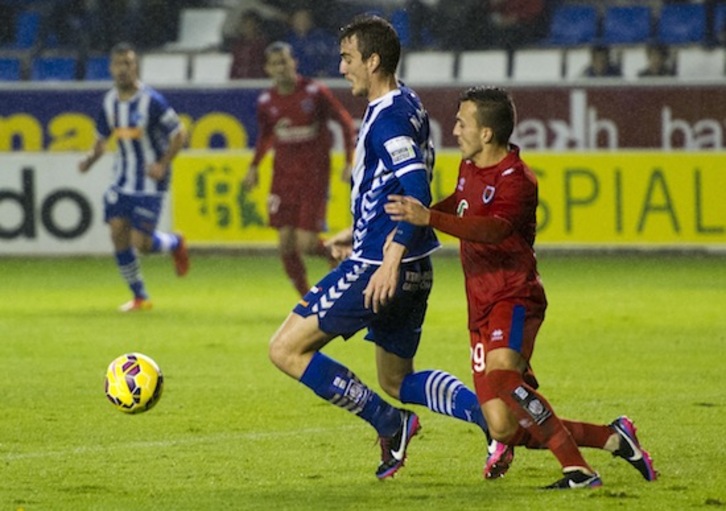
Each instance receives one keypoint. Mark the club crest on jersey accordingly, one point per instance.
(307, 105)
(488, 194)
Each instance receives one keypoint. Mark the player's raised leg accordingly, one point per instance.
(175, 244)
(294, 350)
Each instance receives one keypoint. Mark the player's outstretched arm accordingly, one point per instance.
(480, 229)
(407, 209)
(91, 158)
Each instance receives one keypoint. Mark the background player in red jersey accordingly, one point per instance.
(293, 119)
(493, 213)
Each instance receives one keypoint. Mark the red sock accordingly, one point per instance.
(535, 414)
(295, 269)
(583, 433)
(588, 435)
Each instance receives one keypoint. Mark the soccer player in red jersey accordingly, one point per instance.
(493, 213)
(293, 120)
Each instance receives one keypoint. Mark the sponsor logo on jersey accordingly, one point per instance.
(462, 207)
(130, 133)
(462, 182)
(400, 149)
(497, 335)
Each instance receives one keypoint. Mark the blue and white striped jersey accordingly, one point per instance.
(143, 126)
(394, 155)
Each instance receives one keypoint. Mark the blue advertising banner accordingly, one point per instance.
(64, 120)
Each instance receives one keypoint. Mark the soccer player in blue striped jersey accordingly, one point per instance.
(149, 135)
(384, 283)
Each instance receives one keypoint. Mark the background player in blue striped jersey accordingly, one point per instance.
(149, 136)
(385, 283)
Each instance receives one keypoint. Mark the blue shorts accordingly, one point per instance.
(142, 211)
(338, 302)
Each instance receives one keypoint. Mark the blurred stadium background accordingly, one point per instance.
(625, 161)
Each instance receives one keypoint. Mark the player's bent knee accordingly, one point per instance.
(278, 353)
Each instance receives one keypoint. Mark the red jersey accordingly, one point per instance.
(296, 126)
(506, 270)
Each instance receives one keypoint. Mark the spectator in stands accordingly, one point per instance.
(315, 48)
(8, 13)
(248, 47)
(514, 23)
(63, 25)
(659, 62)
(271, 15)
(460, 25)
(149, 23)
(421, 24)
(601, 63)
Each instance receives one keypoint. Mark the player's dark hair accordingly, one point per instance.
(122, 47)
(375, 35)
(494, 110)
(278, 47)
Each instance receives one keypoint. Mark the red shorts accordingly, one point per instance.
(307, 214)
(510, 324)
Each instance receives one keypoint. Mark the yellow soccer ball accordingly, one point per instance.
(134, 383)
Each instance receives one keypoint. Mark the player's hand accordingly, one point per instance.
(156, 171)
(407, 209)
(84, 164)
(339, 251)
(251, 179)
(340, 245)
(382, 287)
(346, 173)
(384, 281)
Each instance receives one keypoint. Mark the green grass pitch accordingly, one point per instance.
(642, 335)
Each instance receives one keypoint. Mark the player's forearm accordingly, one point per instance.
(95, 154)
(415, 184)
(393, 254)
(478, 229)
(175, 145)
(261, 149)
(448, 205)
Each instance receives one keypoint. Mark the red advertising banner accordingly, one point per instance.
(667, 117)
(566, 117)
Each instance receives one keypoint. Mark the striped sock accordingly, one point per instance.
(130, 270)
(443, 393)
(338, 385)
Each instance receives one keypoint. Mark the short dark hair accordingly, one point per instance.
(277, 47)
(494, 110)
(375, 35)
(122, 47)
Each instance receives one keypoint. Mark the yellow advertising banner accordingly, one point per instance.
(210, 206)
(600, 199)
